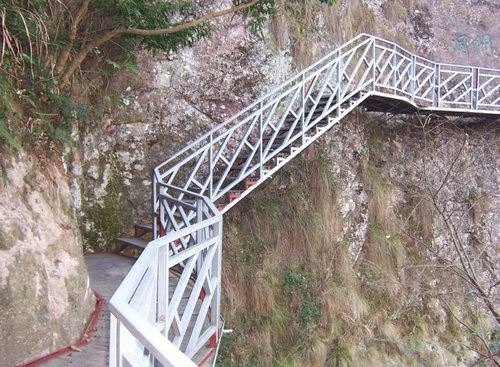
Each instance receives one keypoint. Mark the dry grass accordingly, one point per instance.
(33, 29)
(302, 52)
(368, 312)
(316, 353)
(260, 294)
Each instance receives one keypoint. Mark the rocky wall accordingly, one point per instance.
(354, 253)
(45, 295)
(176, 97)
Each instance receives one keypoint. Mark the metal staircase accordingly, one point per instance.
(197, 185)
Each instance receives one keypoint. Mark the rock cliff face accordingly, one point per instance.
(344, 258)
(357, 257)
(45, 295)
(177, 97)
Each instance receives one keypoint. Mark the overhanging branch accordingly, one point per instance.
(82, 54)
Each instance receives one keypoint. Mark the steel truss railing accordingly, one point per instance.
(262, 138)
(152, 326)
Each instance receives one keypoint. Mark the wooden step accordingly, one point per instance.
(132, 241)
(278, 146)
(239, 167)
(245, 156)
(249, 182)
(286, 129)
(322, 101)
(290, 119)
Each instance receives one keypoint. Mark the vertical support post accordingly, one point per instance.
(162, 291)
(155, 206)
(339, 82)
(438, 89)
(412, 75)
(261, 164)
(210, 167)
(374, 63)
(475, 82)
(303, 109)
(217, 273)
(113, 341)
(435, 90)
(394, 63)
(161, 213)
(199, 233)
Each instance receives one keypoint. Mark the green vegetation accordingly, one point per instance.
(47, 44)
(106, 217)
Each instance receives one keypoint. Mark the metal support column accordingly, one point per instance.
(394, 63)
(261, 164)
(475, 82)
(339, 82)
(374, 65)
(210, 168)
(303, 96)
(412, 75)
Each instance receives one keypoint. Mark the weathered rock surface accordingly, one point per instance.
(45, 295)
(177, 97)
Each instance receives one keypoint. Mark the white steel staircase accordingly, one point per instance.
(195, 187)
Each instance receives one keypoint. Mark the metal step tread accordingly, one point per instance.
(132, 241)
(144, 227)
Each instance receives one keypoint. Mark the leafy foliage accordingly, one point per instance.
(301, 285)
(45, 41)
(157, 14)
(258, 13)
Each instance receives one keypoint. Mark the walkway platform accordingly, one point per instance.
(106, 272)
(380, 102)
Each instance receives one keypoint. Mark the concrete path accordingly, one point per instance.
(106, 272)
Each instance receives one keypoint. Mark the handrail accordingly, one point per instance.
(298, 76)
(255, 143)
(144, 315)
(262, 98)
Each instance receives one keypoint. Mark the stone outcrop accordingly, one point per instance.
(45, 295)
(177, 97)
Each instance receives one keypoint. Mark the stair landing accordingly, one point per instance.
(106, 272)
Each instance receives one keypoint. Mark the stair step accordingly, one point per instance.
(245, 157)
(320, 123)
(249, 182)
(322, 101)
(277, 146)
(286, 129)
(132, 241)
(291, 119)
(277, 137)
(220, 206)
(144, 227)
(216, 179)
(236, 167)
(233, 195)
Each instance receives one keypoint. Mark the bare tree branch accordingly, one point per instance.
(82, 54)
(63, 57)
